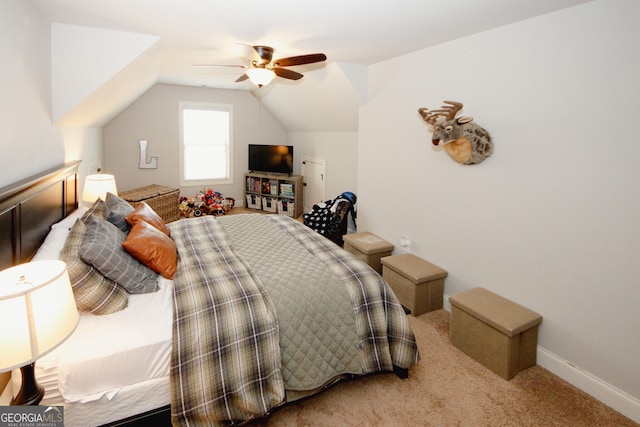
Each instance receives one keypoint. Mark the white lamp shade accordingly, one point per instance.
(37, 313)
(97, 186)
(260, 76)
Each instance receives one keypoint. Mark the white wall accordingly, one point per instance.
(339, 149)
(28, 140)
(97, 72)
(154, 117)
(85, 144)
(551, 220)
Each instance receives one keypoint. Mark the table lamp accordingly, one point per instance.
(37, 313)
(97, 186)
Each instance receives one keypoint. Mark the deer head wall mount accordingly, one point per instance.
(463, 140)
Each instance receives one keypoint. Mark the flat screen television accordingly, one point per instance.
(271, 158)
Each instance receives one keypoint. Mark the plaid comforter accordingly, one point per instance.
(225, 364)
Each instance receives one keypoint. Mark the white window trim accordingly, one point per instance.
(205, 106)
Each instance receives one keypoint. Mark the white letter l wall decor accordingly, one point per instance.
(153, 163)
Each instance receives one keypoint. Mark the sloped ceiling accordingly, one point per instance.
(95, 70)
(172, 35)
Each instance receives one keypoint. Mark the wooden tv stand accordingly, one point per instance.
(273, 192)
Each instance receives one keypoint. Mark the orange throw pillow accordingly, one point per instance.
(152, 248)
(144, 212)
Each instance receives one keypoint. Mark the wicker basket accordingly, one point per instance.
(163, 200)
(270, 204)
(287, 207)
(254, 201)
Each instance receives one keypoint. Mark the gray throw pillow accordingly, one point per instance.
(102, 248)
(116, 210)
(92, 291)
(97, 208)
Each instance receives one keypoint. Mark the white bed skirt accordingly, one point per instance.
(128, 401)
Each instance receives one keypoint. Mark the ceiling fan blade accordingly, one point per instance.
(300, 60)
(265, 53)
(287, 74)
(242, 78)
(256, 54)
(218, 65)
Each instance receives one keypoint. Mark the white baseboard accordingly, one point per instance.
(617, 399)
(611, 396)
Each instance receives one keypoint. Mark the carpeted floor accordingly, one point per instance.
(448, 388)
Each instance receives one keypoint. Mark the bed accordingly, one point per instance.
(258, 311)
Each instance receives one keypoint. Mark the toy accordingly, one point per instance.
(183, 206)
(206, 202)
(228, 204)
(213, 201)
(463, 140)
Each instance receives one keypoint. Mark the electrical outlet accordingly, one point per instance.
(405, 245)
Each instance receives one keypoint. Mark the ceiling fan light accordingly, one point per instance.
(260, 76)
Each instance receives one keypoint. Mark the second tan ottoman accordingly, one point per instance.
(418, 284)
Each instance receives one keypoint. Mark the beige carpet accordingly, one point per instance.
(448, 388)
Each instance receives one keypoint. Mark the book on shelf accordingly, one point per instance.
(253, 184)
(266, 186)
(286, 189)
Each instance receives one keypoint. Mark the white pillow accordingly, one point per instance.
(52, 245)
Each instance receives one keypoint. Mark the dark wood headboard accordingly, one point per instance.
(30, 207)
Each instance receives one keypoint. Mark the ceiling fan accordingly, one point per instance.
(261, 68)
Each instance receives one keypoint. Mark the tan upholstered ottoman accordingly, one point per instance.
(368, 247)
(497, 332)
(418, 284)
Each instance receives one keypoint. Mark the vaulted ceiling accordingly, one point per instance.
(352, 33)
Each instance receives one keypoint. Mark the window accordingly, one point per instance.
(205, 143)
